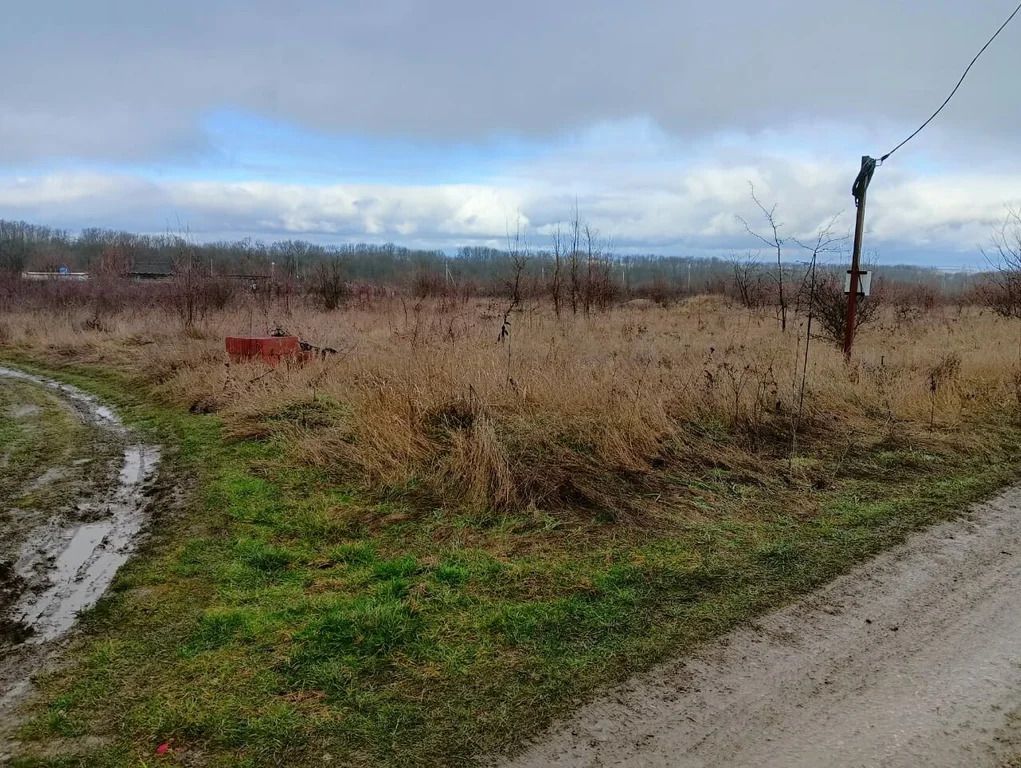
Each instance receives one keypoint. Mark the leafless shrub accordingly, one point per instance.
(1001, 289)
(328, 287)
(426, 283)
(830, 306)
(911, 303)
(661, 291)
(194, 291)
(747, 282)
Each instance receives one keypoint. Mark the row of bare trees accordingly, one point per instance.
(582, 276)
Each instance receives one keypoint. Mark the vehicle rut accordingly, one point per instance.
(65, 564)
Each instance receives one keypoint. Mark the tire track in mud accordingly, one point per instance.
(66, 562)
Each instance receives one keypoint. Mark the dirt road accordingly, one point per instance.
(60, 551)
(913, 659)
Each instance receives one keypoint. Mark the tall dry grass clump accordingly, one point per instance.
(600, 414)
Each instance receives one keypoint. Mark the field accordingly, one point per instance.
(421, 548)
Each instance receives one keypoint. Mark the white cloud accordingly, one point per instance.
(687, 209)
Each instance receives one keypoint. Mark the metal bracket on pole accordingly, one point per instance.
(858, 190)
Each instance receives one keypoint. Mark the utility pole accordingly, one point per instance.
(860, 187)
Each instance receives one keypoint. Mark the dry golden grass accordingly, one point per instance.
(577, 414)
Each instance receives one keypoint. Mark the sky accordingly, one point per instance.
(441, 123)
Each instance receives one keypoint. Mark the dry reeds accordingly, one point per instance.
(581, 414)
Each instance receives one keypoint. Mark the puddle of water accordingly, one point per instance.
(80, 561)
(77, 561)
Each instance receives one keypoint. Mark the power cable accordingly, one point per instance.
(966, 71)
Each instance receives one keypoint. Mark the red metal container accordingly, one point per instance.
(270, 349)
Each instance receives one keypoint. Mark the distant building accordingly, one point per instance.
(152, 272)
(65, 275)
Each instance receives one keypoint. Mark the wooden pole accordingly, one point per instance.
(852, 296)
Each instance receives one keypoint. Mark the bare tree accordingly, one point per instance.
(591, 255)
(115, 261)
(1001, 291)
(598, 291)
(825, 242)
(187, 265)
(746, 281)
(574, 258)
(775, 242)
(518, 254)
(556, 283)
(329, 286)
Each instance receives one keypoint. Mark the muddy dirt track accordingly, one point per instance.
(913, 659)
(59, 553)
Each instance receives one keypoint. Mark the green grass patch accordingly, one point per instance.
(37, 433)
(278, 617)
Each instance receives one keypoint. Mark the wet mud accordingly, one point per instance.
(66, 531)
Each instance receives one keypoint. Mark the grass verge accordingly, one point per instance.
(277, 618)
(37, 433)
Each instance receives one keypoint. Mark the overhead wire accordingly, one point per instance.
(956, 87)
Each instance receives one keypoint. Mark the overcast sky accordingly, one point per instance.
(446, 122)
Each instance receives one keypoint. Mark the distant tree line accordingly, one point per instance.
(575, 270)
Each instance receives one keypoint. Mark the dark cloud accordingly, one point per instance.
(124, 80)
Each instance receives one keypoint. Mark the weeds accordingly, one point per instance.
(590, 410)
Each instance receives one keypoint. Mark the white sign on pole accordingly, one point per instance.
(864, 283)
